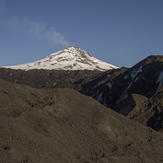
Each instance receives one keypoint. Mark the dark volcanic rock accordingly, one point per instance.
(140, 79)
(49, 78)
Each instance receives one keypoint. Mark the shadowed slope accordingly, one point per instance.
(150, 113)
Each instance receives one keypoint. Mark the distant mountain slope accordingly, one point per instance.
(71, 58)
(62, 125)
(144, 78)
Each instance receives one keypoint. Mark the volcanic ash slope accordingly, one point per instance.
(62, 125)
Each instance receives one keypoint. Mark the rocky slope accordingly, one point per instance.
(71, 58)
(49, 125)
(145, 78)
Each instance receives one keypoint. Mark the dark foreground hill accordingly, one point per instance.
(64, 126)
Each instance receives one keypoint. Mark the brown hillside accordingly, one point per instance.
(62, 125)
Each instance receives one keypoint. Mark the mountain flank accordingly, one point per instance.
(62, 125)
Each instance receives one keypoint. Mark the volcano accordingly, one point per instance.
(72, 58)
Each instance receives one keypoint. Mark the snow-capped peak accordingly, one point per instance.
(72, 58)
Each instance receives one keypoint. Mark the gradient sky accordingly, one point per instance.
(120, 32)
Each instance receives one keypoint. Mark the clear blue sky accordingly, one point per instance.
(120, 32)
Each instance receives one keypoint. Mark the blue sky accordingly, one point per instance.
(120, 32)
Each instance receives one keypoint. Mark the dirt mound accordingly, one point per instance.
(62, 125)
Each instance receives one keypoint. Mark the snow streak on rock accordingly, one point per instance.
(160, 81)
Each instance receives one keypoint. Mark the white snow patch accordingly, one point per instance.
(160, 77)
(128, 87)
(124, 94)
(109, 84)
(159, 87)
(123, 97)
(99, 98)
(135, 72)
(136, 79)
(125, 77)
(95, 87)
(160, 81)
